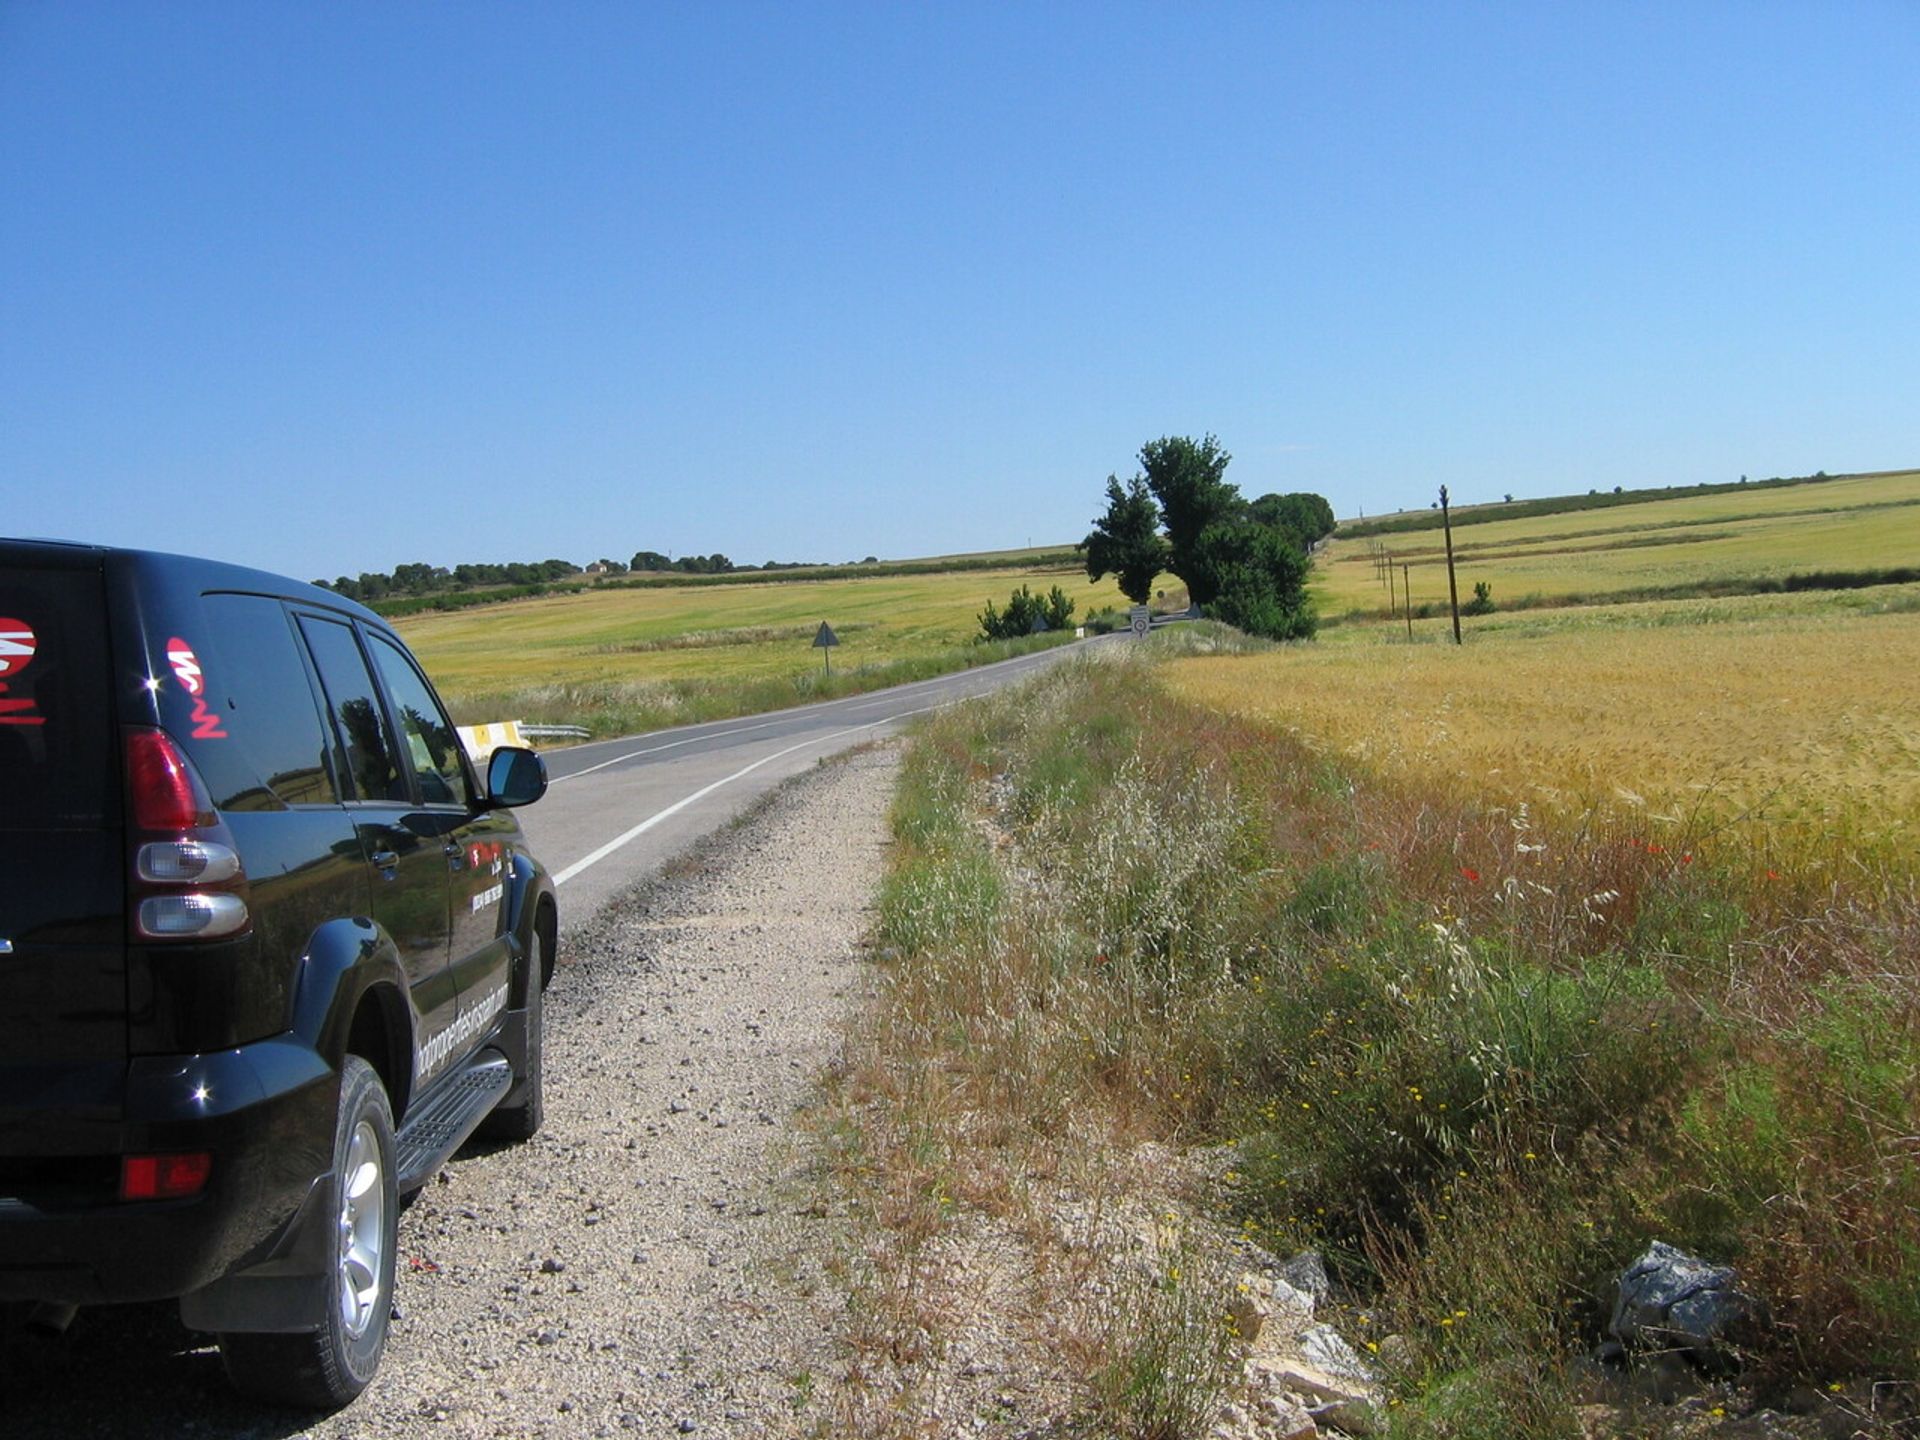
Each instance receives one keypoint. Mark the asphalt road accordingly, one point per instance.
(616, 810)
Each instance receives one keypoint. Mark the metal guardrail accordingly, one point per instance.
(556, 732)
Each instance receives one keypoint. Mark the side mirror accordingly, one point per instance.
(515, 776)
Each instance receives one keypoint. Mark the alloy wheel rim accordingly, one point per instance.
(363, 1206)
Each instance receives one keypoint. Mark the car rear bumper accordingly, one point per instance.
(265, 1113)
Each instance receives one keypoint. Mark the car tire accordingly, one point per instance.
(520, 1118)
(325, 1368)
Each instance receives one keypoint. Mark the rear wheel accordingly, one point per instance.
(325, 1368)
(520, 1117)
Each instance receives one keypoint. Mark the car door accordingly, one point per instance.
(473, 839)
(404, 838)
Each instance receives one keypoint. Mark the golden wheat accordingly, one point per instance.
(1802, 720)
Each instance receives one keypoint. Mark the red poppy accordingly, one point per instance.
(1473, 875)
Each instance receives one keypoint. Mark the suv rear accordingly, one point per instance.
(270, 951)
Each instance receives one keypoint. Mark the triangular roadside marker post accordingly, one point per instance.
(824, 640)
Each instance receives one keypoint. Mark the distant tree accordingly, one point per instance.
(1305, 516)
(1253, 577)
(1187, 477)
(1126, 540)
(651, 560)
(1243, 562)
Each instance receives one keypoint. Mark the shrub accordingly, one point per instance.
(1027, 613)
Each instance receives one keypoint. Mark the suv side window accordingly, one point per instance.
(277, 738)
(429, 741)
(354, 703)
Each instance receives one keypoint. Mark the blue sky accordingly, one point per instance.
(329, 288)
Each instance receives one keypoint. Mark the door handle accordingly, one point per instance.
(385, 861)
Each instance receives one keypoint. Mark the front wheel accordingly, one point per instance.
(325, 1368)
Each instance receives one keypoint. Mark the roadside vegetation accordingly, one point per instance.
(1475, 970)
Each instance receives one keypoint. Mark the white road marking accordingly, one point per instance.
(596, 856)
(654, 749)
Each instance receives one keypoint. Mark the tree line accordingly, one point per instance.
(1243, 561)
(422, 579)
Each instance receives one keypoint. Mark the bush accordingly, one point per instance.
(1026, 614)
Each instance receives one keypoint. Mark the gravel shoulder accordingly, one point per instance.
(654, 1262)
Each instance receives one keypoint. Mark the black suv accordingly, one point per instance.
(270, 950)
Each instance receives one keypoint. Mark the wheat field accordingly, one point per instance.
(1797, 716)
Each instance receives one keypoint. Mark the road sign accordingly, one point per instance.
(824, 640)
(1141, 619)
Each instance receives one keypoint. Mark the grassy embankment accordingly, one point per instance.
(1491, 964)
(625, 659)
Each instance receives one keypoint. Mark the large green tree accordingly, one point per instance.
(1126, 540)
(1254, 577)
(1187, 477)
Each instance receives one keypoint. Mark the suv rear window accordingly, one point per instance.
(274, 749)
(57, 763)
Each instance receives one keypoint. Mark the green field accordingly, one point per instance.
(618, 658)
(1851, 524)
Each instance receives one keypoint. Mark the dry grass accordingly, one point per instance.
(1478, 1053)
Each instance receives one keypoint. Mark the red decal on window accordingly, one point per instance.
(186, 669)
(17, 644)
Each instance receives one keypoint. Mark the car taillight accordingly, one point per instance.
(191, 882)
(164, 1177)
(164, 791)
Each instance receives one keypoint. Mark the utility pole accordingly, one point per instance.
(1453, 590)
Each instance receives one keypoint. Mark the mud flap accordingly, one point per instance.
(281, 1291)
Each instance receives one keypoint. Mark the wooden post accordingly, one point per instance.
(1453, 590)
(1391, 612)
(1406, 589)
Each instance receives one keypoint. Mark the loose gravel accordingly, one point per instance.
(654, 1261)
